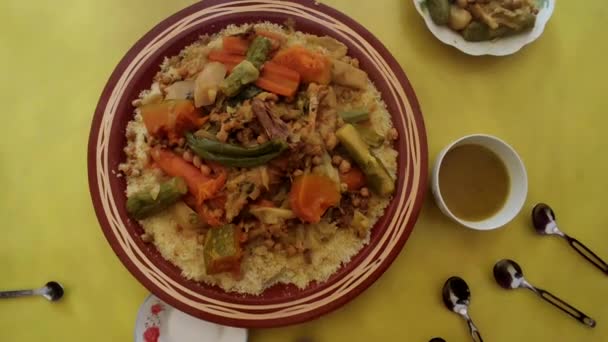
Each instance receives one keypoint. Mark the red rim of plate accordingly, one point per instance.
(281, 304)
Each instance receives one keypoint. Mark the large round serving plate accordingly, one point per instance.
(280, 304)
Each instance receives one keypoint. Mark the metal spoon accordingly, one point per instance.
(52, 291)
(509, 275)
(544, 222)
(457, 297)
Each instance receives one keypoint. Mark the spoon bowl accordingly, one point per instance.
(457, 297)
(508, 274)
(52, 291)
(456, 294)
(543, 219)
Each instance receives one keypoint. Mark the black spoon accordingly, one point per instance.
(509, 275)
(544, 222)
(457, 297)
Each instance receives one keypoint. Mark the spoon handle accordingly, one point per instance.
(587, 254)
(567, 308)
(474, 331)
(19, 293)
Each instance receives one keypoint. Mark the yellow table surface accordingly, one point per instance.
(549, 101)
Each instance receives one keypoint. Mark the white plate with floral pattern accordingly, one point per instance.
(159, 322)
(498, 47)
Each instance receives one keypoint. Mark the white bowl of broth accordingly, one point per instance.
(480, 182)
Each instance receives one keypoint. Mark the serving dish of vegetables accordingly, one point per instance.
(479, 27)
(257, 169)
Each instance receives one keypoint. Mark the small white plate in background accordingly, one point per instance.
(498, 47)
(155, 317)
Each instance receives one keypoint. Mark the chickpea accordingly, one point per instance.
(188, 156)
(298, 172)
(147, 237)
(316, 150)
(166, 79)
(393, 134)
(261, 139)
(340, 122)
(129, 150)
(222, 135)
(269, 243)
(255, 232)
(291, 250)
(331, 141)
(344, 166)
(364, 192)
(336, 160)
(316, 160)
(205, 170)
(197, 161)
(218, 212)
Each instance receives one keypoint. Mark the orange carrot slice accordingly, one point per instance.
(235, 45)
(312, 66)
(199, 185)
(228, 59)
(311, 195)
(278, 79)
(171, 118)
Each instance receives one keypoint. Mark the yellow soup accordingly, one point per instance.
(474, 182)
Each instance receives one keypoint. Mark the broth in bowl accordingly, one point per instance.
(474, 182)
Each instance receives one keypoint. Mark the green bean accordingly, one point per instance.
(231, 150)
(236, 161)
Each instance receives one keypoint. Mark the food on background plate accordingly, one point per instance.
(259, 155)
(481, 20)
